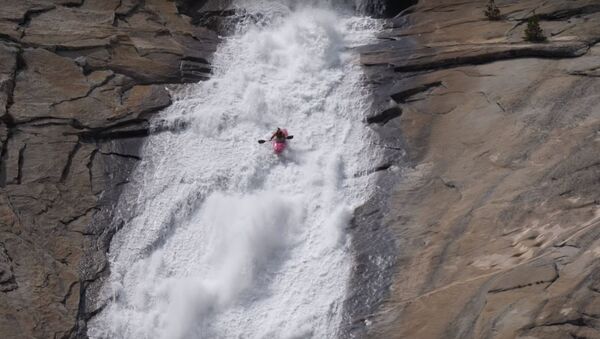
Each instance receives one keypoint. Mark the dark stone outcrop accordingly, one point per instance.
(494, 206)
(386, 8)
(78, 83)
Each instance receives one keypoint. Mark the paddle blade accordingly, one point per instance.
(262, 141)
(290, 137)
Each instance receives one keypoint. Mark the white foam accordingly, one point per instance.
(227, 239)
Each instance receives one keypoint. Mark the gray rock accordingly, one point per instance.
(8, 65)
(7, 277)
(78, 82)
(46, 81)
(495, 209)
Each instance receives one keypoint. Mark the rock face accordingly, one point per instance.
(78, 80)
(491, 225)
(493, 168)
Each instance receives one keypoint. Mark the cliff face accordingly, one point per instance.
(495, 206)
(77, 83)
(492, 159)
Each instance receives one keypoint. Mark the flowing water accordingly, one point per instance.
(223, 238)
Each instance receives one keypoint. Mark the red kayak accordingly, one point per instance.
(280, 145)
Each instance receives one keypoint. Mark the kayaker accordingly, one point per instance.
(279, 135)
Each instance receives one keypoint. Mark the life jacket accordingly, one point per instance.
(279, 136)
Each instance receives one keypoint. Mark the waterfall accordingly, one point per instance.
(221, 237)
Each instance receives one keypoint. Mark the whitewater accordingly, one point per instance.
(224, 239)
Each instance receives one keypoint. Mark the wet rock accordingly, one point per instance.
(194, 70)
(385, 9)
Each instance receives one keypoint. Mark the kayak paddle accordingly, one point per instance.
(263, 141)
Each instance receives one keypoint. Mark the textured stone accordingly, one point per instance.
(78, 82)
(8, 65)
(496, 209)
(70, 28)
(46, 81)
(7, 277)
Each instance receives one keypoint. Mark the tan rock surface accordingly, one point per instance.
(495, 208)
(491, 157)
(78, 81)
